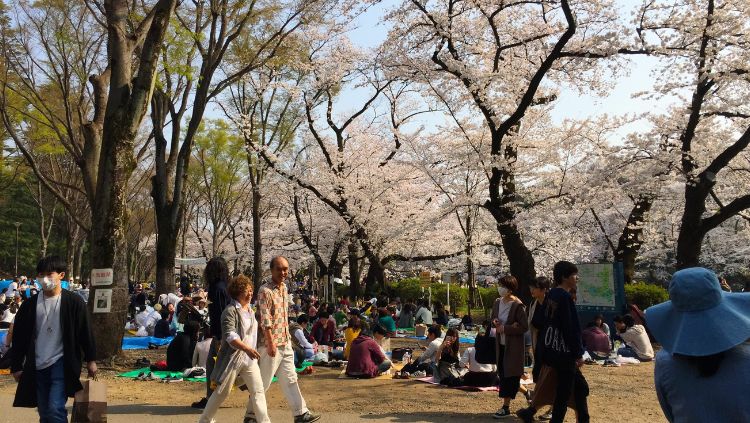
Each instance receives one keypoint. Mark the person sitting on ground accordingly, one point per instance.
(424, 315)
(637, 344)
(467, 322)
(180, 350)
(442, 315)
(479, 375)
(148, 318)
(303, 349)
(599, 322)
(323, 329)
(448, 356)
(9, 313)
(366, 359)
(379, 334)
(596, 342)
(424, 361)
(351, 333)
(161, 329)
(406, 316)
(200, 354)
(340, 316)
(386, 321)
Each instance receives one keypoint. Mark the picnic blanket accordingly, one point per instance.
(164, 373)
(431, 381)
(462, 339)
(396, 368)
(142, 342)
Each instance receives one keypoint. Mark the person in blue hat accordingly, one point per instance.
(702, 373)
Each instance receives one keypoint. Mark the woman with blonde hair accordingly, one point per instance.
(238, 358)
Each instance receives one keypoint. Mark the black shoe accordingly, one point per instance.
(249, 419)
(526, 414)
(502, 413)
(200, 404)
(307, 418)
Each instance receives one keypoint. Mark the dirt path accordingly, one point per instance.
(623, 394)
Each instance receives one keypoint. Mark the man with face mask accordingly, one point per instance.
(52, 338)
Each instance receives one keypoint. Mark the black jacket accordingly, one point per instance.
(78, 345)
(562, 341)
(219, 300)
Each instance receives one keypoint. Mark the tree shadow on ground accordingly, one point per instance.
(152, 409)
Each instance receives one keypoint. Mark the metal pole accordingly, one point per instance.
(18, 225)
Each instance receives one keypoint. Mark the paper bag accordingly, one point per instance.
(90, 404)
(420, 329)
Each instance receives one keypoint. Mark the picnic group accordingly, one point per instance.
(221, 332)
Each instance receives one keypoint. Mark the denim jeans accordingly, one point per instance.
(50, 393)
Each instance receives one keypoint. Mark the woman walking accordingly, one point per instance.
(237, 355)
(511, 323)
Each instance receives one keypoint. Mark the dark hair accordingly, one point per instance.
(302, 319)
(51, 264)
(164, 313)
(239, 285)
(455, 345)
(626, 319)
(435, 330)
(707, 366)
(382, 312)
(562, 270)
(355, 323)
(598, 317)
(216, 271)
(365, 330)
(541, 282)
(192, 329)
(378, 329)
(323, 314)
(510, 282)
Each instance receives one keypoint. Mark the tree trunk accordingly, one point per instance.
(166, 247)
(690, 239)
(353, 253)
(375, 278)
(257, 239)
(631, 239)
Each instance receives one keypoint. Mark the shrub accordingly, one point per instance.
(645, 295)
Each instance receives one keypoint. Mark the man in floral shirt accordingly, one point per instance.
(276, 353)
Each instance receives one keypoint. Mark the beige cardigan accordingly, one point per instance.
(515, 345)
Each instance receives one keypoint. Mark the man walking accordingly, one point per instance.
(51, 337)
(276, 353)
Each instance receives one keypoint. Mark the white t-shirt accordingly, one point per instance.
(8, 316)
(429, 354)
(200, 355)
(469, 360)
(48, 331)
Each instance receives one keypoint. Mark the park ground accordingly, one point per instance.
(623, 394)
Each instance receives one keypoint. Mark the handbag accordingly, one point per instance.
(398, 353)
(90, 404)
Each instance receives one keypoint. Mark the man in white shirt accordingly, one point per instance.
(636, 339)
(424, 315)
(428, 356)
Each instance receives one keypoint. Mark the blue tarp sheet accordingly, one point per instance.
(424, 338)
(142, 342)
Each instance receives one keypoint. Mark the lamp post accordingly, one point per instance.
(18, 225)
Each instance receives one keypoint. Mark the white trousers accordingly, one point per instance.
(281, 366)
(251, 375)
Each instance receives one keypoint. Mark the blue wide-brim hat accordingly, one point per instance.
(700, 319)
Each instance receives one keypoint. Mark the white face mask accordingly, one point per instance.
(48, 284)
(502, 290)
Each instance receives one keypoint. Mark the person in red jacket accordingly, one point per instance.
(324, 330)
(366, 358)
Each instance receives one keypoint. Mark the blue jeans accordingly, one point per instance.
(50, 394)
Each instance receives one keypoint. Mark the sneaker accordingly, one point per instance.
(502, 413)
(526, 414)
(150, 376)
(308, 417)
(249, 419)
(546, 417)
(141, 376)
(200, 404)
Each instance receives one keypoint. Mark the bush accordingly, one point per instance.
(411, 289)
(645, 295)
